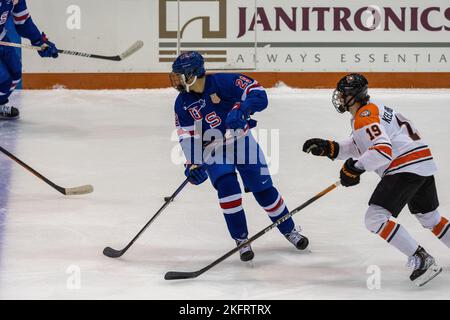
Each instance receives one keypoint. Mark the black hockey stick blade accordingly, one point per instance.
(112, 253)
(179, 275)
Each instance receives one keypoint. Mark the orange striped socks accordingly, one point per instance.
(441, 231)
(399, 237)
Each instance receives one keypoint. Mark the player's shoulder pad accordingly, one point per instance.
(179, 103)
(21, 4)
(367, 115)
(244, 76)
(223, 78)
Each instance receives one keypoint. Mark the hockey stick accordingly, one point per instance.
(176, 275)
(133, 49)
(113, 253)
(66, 191)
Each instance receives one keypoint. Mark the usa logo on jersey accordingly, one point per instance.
(194, 109)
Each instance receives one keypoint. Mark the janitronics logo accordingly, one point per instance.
(176, 16)
(368, 18)
(284, 36)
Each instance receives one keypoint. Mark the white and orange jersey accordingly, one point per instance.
(386, 142)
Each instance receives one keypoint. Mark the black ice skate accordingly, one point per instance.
(245, 252)
(425, 267)
(8, 113)
(299, 241)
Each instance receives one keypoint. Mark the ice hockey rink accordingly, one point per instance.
(121, 142)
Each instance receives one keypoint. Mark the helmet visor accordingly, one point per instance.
(339, 101)
(178, 81)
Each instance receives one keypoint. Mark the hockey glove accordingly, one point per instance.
(237, 117)
(323, 148)
(196, 174)
(350, 173)
(49, 48)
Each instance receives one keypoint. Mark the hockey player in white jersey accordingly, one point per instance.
(384, 141)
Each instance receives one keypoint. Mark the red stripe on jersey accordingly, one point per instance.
(410, 157)
(255, 85)
(383, 148)
(182, 132)
(231, 204)
(236, 106)
(21, 18)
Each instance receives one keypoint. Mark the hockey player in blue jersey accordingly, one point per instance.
(10, 64)
(222, 102)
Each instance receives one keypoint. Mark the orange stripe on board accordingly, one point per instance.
(410, 157)
(438, 229)
(390, 225)
(316, 80)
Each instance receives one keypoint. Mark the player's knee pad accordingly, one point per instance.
(16, 76)
(267, 196)
(429, 220)
(229, 193)
(375, 218)
(13, 63)
(227, 184)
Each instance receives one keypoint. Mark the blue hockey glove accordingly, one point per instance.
(196, 174)
(237, 117)
(50, 50)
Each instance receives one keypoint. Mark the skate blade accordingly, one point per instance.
(429, 275)
(9, 118)
(250, 264)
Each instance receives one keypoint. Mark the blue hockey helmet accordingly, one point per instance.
(186, 69)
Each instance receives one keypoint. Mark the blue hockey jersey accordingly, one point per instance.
(221, 93)
(22, 19)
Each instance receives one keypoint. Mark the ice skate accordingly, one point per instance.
(299, 241)
(8, 113)
(245, 252)
(425, 267)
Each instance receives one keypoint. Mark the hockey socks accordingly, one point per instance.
(275, 207)
(230, 200)
(378, 221)
(234, 216)
(6, 88)
(441, 230)
(399, 237)
(437, 224)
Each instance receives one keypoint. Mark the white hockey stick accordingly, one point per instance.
(131, 50)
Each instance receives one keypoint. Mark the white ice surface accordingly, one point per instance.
(120, 142)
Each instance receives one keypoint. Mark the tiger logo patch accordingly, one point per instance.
(365, 113)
